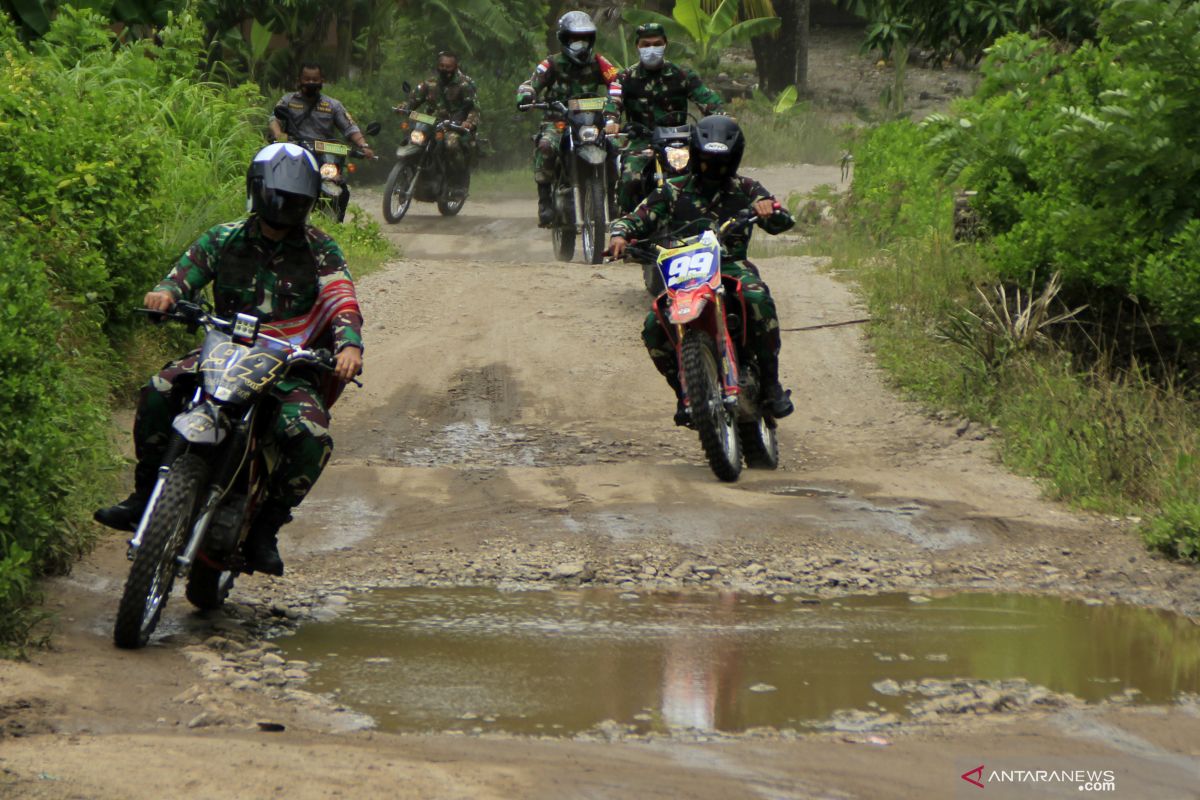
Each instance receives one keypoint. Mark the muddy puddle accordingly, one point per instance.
(560, 662)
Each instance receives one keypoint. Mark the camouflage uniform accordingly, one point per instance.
(274, 281)
(321, 118)
(456, 101)
(653, 98)
(685, 199)
(559, 78)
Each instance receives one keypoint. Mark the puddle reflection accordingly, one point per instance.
(562, 661)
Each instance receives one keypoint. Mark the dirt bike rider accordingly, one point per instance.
(655, 92)
(575, 72)
(315, 116)
(711, 193)
(449, 95)
(272, 264)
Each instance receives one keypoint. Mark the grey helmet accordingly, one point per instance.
(577, 35)
(282, 185)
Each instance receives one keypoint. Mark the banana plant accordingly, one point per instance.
(705, 34)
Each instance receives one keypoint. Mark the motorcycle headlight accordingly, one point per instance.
(417, 137)
(329, 171)
(677, 158)
(589, 133)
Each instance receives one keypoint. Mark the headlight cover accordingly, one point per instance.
(329, 171)
(417, 137)
(677, 158)
(589, 133)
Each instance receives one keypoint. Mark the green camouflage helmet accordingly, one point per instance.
(650, 29)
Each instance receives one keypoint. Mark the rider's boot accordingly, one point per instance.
(262, 545)
(545, 205)
(775, 399)
(125, 515)
(683, 414)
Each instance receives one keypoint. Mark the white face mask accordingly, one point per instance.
(579, 47)
(652, 57)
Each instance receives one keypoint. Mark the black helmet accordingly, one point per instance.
(574, 26)
(648, 29)
(282, 185)
(716, 148)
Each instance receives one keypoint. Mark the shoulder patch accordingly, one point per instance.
(544, 66)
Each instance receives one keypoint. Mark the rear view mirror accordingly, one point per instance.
(373, 128)
(406, 86)
(280, 114)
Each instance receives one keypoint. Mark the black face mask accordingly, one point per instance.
(445, 77)
(311, 89)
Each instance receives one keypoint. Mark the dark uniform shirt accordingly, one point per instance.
(321, 118)
(685, 200)
(559, 78)
(252, 274)
(454, 100)
(660, 97)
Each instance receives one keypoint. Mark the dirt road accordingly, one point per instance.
(511, 423)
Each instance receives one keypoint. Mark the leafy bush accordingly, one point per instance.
(1088, 162)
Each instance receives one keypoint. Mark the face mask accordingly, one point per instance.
(311, 89)
(445, 77)
(579, 47)
(652, 57)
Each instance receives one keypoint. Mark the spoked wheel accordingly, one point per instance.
(397, 196)
(592, 203)
(760, 444)
(153, 572)
(207, 586)
(449, 208)
(563, 232)
(712, 419)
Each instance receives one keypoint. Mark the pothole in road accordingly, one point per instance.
(562, 662)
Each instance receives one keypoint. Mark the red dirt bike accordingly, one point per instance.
(706, 316)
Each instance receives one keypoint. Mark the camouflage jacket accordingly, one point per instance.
(560, 78)
(322, 118)
(682, 200)
(455, 101)
(252, 274)
(660, 97)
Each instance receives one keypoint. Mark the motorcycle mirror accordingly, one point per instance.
(280, 114)
(374, 128)
(406, 86)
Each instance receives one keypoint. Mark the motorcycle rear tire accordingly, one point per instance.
(712, 419)
(450, 208)
(395, 202)
(760, 443)
(592, 203)
(208, 587)
(562, 235)
(153, 571)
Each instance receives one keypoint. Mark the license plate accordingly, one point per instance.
(425, 118)
(332, 148)
(587, 104)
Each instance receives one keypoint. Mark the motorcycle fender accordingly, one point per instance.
(331, 188)
(687, 307)
(591, 154)
(407, 150)
(201, 425)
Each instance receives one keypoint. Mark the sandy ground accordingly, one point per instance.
(511, 422)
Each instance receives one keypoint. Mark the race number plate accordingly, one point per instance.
(416, 116)
(332, 148)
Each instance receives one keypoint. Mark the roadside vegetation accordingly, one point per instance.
(1064, 306)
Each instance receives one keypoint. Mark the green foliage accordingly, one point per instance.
(1088, 162)
(116, 157)
(702, 34)
(800, 134)
(898, 188)
(970, 26)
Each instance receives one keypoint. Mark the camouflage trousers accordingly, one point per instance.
(300, 431)
(633, 164)
(763, 333)
(545, 153)
(458, 154)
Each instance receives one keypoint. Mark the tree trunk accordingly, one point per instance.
(781, 58)
(345, 38)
